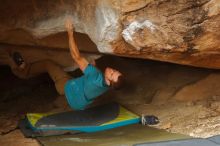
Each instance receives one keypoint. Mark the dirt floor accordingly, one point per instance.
(186, 99)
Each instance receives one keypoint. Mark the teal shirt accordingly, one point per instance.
(81, 91)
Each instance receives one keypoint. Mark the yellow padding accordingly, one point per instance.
(124, 115)
(33, 118)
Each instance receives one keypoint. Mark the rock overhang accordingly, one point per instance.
(182, 32)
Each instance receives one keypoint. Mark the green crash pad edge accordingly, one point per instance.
(123, 117)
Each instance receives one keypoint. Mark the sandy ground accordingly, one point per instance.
(186, 99)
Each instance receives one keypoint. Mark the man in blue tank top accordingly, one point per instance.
(82, 91)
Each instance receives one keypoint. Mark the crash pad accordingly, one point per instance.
(215, 139)
(123, 136)
(90, 120)
(187, 142)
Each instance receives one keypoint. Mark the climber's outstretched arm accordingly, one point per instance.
(81, 61)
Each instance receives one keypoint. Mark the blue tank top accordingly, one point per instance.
(82, 91)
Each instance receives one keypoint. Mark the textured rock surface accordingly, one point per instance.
(183, 32)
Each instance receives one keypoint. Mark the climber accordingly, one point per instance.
(80, 91)
(83, 90)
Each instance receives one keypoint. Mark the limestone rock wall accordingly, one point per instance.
(183, 32)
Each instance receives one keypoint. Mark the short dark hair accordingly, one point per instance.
(118, 84)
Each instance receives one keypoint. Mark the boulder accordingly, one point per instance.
(183, 32)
